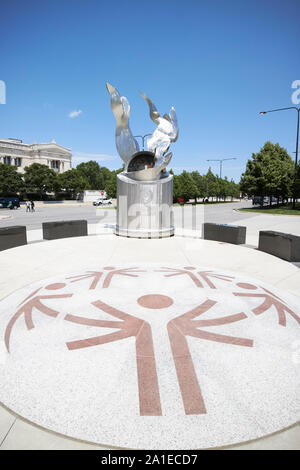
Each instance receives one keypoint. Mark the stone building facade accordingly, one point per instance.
(15, 152)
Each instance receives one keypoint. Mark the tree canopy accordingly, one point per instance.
(11, 182)
(95, 175)
(72, 182)
(194, 185)
(270, 172)
(111, 184)
(39, 179)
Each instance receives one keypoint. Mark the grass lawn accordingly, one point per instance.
(281, 210)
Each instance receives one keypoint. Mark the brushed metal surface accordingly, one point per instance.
(158, 143)
(166, 131)
(150, 174)
(144, 207)
(125, 142)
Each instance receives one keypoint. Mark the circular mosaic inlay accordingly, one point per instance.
(152, 356)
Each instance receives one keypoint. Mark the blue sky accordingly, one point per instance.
(218, 62)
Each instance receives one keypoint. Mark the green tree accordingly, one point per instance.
(72, 182)
(95, 175)
(203, 186)
(269, 173)
(211, 184)
(111, 183)
(233, 189)
(40, 179)
(106, 175)
(111, 186)
(199, 182)
(177, 188)
(188, 187)
(11, 182)
(297, 182)
(221, 188)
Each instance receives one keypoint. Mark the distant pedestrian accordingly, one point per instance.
(32, 206)
(28, 206)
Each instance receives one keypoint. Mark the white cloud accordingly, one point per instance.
(74, 114)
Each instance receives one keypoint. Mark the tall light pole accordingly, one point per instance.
(297, 145)
(221, 160)
(143, 138)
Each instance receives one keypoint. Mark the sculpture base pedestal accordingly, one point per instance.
(144, 207)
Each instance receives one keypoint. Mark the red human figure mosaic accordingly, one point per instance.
(120, 272)
(269, 300)
(186, 325)
(96, 275)
(205, 275)
(129, 326)
(31, 302)
(178, 328)
(208, 274)
(179, 272)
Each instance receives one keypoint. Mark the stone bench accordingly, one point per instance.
(282, 245)
(64, 229)
(10, 237)
(224, 233)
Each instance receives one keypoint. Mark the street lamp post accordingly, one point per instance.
(221, 160)
(297, 145)
(143, 139)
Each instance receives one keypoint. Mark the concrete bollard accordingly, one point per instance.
(64, 229)
(10, 237)
(282, 245)
(234, 234)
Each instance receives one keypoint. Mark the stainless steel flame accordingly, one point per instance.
(158, 143)
(125, 142)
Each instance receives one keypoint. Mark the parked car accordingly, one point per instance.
(256, 200)
(101, 201)
(275, 199)
(259, 200)
(9, 203)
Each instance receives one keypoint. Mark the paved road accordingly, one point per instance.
(219, 213)
(49, 213)
(216, 213)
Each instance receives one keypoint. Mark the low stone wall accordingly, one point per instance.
(11, 237)
(65, 229)
(282, 245)
(234, 234)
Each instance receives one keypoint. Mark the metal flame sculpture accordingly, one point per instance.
(143, 165)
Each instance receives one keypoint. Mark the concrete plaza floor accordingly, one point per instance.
(26, 267)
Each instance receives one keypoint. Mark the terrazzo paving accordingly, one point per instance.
(151, 355)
